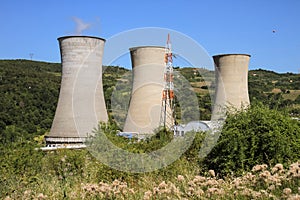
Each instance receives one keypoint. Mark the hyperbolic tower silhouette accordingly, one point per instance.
(231, 82)
(148, 82)
(81, 102)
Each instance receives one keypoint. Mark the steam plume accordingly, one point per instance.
(80, 25)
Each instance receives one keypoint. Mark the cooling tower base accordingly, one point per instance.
(64, 142)
(69, 146)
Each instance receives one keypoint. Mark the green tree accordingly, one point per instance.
(255, 136)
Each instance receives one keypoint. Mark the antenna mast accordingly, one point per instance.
(167, 119)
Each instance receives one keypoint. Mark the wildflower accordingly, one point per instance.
(116, 182)
(63, 159)
(249, 177)
(295, 165)
(217, 191)
(212, 182)
(271, 196)
(220, 182)
(162, 185)
(165, 191)
(264, 192)
(264, 166)
(277, 168)
(27, 192)
(294, 197)
(247, 192)
(278, 184)
(176, 191)
(221, 191)
(271, 187)
(287, 191)
(104, 189)
(41, 196)
(259, 167)
(155, 190)
(191, 191)
(212, 190)
(122, 186)
(180, 178)
(295, 169)
(198, 179)
(237, 182)
(199, 192)
(147, 195)
(265, 174)
(212, 173)
(191, 183)
(256, 195)
(116, 192)
(256, 168)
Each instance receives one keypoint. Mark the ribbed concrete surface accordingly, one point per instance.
(148, 82)
(231, 81)
(81, 101)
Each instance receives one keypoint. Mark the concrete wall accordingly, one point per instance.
(148, 82)
(81, 101)
(231, 81)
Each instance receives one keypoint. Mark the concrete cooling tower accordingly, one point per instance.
(148, 82)
(81, 102)
(231, 81)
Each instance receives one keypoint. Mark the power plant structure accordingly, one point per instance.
(148, 69)
(167, 117)
(231, 82)
(81, 103)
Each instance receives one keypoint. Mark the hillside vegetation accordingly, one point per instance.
(256, 156)
(29, 93)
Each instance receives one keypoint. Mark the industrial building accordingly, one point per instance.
(231, 92)
(81, 102)
(148, 69)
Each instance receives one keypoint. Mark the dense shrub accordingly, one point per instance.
(258, 135)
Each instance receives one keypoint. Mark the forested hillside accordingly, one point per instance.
(29, 93)
(276, 90)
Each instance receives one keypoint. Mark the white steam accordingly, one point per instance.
(80, 25)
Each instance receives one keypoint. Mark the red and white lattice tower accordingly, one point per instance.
(167, 119)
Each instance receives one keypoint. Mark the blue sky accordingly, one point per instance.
(231, 26)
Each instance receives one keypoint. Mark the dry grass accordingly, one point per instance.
(262, 182)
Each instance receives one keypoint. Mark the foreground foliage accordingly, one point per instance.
(75, 174)
(257, 135)
(27, 173)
